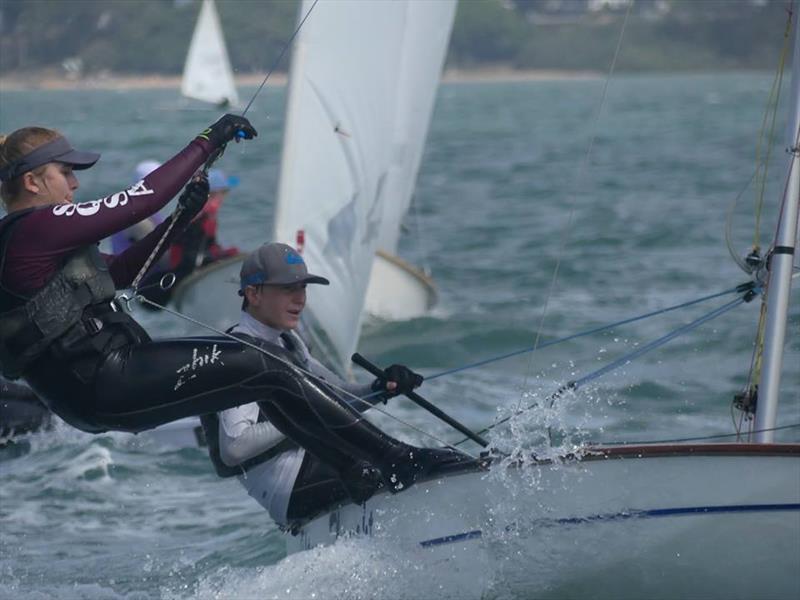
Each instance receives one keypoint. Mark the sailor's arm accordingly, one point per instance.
(63, 227)
(125, 267)
(241, 436)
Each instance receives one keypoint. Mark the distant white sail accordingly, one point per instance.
(361, 89)
(207, 74)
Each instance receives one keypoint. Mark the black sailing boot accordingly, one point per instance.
(361, 480)
(408, 464)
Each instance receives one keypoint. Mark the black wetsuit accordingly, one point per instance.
(130, 383)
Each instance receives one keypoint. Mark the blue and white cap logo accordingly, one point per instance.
(276, 264)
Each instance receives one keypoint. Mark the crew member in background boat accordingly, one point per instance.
(290, 481)
(122, 240)
(63, 330)
(198, 246)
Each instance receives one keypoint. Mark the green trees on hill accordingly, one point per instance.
(151, 36)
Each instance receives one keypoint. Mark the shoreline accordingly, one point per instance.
(53, 80)
(108, 81)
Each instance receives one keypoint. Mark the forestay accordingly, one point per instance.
(361, 90)
(207, 74)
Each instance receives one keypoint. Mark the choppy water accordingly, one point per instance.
(505, 191)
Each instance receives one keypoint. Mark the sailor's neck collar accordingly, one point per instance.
(254, 327)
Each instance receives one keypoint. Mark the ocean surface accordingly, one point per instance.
(541, 211)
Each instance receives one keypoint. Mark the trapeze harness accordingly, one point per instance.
(73, 317)
(210, 422)
(317, 486)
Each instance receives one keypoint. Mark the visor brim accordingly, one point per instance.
(307, 279)
(78, 160)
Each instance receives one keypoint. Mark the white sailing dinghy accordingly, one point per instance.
(362, 86)
(644, 521)
(207, 73)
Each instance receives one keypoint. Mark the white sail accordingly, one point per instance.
(207, 74)
(353, 142)
(425, 41)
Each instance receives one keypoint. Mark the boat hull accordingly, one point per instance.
(719, 521)
(398, 291)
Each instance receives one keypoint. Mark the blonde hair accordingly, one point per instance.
(16, 145)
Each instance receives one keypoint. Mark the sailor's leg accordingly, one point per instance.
(143, 386)
(357, 476)
(317, 488)
(139, 387)
(313, 413)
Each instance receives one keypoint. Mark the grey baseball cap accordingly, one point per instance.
(275, 264)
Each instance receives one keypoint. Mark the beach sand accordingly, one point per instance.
(109, 81)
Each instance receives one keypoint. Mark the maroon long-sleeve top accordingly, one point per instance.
(41, 240)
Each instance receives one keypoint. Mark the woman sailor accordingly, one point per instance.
(60, 327)
(89, 361)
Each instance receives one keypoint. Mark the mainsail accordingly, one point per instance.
(361, 90)
(207, 74)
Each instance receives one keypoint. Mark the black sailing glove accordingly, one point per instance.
(193, 198)
(226, 129)
(405, 378)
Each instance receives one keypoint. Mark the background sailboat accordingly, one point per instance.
(362, 87)
(207, 73)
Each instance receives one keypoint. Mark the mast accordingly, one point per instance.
(781, 265)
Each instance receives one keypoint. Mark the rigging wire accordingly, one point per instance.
(729, 226)
(623, 360)
(700, 437)
(588, 332)
(578, 181)
(280, 56)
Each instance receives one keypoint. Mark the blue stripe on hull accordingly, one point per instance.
(633, 514)
(450, 539)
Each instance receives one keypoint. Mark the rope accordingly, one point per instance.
(729, 226)
(573, 385)
(772, 108)
(154, 253)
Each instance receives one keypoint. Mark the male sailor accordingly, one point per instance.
(294, 482)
